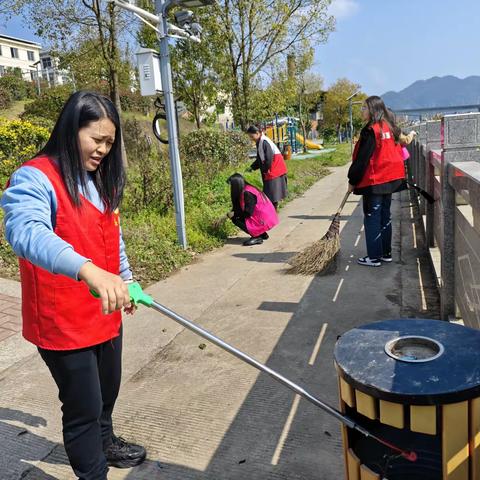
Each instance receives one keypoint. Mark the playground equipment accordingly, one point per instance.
(284, 132)
(309, 144)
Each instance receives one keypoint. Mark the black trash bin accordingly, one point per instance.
(417, 383)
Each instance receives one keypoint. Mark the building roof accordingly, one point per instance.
(21, 40)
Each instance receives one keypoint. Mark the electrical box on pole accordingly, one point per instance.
(148, 63)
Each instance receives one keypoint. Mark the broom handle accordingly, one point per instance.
(344, 201)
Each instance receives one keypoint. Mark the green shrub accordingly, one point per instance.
(5, 98)
(149, 184)
(134, 102)
(206, 152)
(39, 121)
(18, 88)
(8, 260)
(19, 141)
(49, 104)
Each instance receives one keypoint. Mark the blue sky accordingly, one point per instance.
(388, 44)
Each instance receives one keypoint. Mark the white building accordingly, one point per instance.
(18, 53)
(50, 71)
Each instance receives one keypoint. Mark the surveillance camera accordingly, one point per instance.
(184, 18)
(196, 29)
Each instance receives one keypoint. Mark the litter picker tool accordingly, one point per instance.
(137, 296)
(318, 257)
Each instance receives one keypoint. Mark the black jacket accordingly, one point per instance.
(250, 201)
(268, 155)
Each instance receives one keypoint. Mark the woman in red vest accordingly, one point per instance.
(271, 163)
(377, 171)
(61, 218)
(252, 212)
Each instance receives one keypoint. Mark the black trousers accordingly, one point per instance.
(240, 224)
(88, 382)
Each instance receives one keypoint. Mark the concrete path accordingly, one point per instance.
(203, 414)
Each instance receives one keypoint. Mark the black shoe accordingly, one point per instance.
(122, 454)
(264, 236)
(253, 241)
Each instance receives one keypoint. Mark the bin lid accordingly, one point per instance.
(440, 364)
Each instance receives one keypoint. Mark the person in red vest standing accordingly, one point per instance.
(62, 221)
(271, 163)
(377, 171)
(252, 211)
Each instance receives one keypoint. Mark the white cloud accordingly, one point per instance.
(344, 8)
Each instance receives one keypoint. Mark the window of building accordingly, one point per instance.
(47, 62)
(31, 55)
(14, 52)
(1, 51)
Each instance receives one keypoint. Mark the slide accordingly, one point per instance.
(311, 145)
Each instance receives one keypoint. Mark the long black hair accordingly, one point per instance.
(82, 108)
(237, 186)
(379, 114)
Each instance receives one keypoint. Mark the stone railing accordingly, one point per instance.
(445, 162)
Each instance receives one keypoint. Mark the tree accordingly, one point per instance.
(88, 70)
(260, 31)
(197, 69)
(336, 108)
(276, 98)
(67, 23)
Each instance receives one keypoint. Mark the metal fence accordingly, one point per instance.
(445, 161)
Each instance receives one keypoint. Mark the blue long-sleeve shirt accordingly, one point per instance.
(30, 206)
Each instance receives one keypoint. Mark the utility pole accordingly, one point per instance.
(161, 7)
(186, 29)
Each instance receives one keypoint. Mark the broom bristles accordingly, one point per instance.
(318, 257)
(218, 222)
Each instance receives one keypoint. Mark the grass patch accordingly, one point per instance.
(15, 110)
(341, 156)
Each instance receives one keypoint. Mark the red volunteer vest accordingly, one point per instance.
(60, 313)
(386, 163)
(278, 167)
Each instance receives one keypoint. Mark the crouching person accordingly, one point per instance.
(252, 211)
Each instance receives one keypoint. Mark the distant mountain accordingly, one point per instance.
(446, 91)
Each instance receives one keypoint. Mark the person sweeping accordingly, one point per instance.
(272, 165)
(377, 171)
(252, 211)
(62, 221)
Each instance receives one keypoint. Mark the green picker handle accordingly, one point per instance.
(137, 296)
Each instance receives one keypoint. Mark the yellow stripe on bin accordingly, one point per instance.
(367, 474)
(366, 405)
(346, 391)
(423, 419)
(344, 430)
(391, 414)
(475, 439)
(455, 451)
(353, 465)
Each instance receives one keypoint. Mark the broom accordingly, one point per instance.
(218, 222)
(318, 257)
